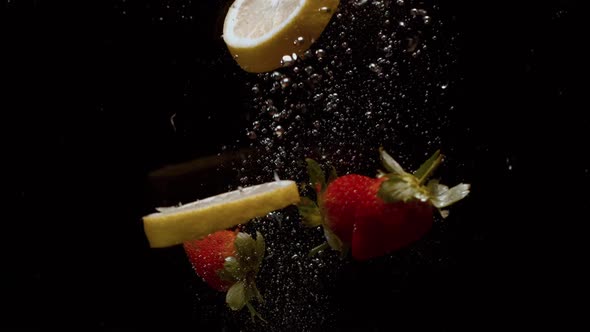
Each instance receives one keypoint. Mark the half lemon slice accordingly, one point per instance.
(175, 225)
(263, 35)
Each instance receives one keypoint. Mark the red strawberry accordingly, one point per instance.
(340, 202)
(385, 227)
(208, 255)
(375, 216)
(229, 261)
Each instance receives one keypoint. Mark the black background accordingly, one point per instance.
(87, 99)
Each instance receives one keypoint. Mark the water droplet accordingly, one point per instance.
(388, 51)
(299, 41)
(252, 134)
(402, 24)
(444, 86)
(285, 82)
(320, 53)
(315, 78)
(275, 76)
(400, 2)
(325, 10)
(318, 97)
(309, 70)
(375, 68)
(279, 131)
(348, 51)
(426, 19)
(255, 89)
(287, 61)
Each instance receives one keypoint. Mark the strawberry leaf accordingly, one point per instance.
(236, 296)
(310, 212)
(333, 175)
(231, 270)
(316, 175)
(333, 240)
(428, 167)
(246, 251)
(442, 196)
(397, 189)
(390, 164)
(253, 312)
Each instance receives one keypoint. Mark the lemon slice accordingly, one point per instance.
(259, 33)
(175, 225)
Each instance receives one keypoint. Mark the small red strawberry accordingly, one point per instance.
(229, 261)
(207, 256)
(376, 216)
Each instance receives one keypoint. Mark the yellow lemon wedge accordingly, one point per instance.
(263, 35)
(175, 225)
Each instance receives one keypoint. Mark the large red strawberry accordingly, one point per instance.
(375, 216)
(229, 261)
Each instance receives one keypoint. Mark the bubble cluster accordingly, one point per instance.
(378, 76)
(365, 83)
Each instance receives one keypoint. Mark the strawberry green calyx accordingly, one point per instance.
(310, 211)
(242, 270)
(402, 186)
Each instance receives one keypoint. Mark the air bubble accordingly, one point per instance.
(375, 68)
(287, 61)
(316, 78)
(320, 53)
(285, 82)
(275, 75)
(299, 41)
(279, 131)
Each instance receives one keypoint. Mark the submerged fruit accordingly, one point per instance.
(175, 225)
(376, 216)
(262, 35)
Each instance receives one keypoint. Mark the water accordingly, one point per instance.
(91, 111)
(399, 74)
(366, 83)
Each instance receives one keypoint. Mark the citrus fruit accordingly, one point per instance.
(263, 35)
(175, 225)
